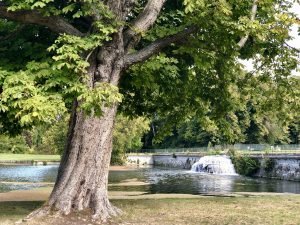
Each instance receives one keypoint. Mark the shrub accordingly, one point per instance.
(12, 144)
(268, 164)
(214, 152)
(54, 138)
(127, 135)
(244, 164)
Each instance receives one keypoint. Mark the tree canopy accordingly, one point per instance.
(42, 69)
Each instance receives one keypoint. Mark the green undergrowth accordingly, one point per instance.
(243, 163)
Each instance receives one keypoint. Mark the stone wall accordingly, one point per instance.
(284, 167)
(176, 160)
(140, 159)
(180, 161)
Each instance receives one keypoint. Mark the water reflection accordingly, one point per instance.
(182, 181)
(25, 173)
(160, 181)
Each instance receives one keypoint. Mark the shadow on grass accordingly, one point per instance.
(13, 211)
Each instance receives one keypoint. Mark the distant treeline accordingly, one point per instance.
(50, 139)
(192, 134)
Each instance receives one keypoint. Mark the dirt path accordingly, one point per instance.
(42, 194)
(123, 168)
(38, 194)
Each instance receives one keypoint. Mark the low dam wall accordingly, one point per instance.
(182, 161)
(140, 159)
(283, 166)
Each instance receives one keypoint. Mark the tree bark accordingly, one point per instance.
(83, 175)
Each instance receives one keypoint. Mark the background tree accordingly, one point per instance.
(12, 145)
(177, 59)
(127, 136)
(294, 130)
(266, 113)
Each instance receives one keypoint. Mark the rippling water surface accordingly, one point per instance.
(160, 181)
(32, 175)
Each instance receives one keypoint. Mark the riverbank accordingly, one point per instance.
(28, 157)
(263, 210)
(32, 159)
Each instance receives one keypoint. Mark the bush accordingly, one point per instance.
(127, 135)
(15, 145)
(268, 164)
(54, 138)
(244, 164)
(214, 152)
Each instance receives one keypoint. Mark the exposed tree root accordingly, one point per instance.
(46, 216)
(38, 213)
(105, 213)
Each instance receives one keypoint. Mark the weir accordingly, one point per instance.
(217, 164)
(285, 166)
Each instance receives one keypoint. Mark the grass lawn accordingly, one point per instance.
(262, 210)
(11, 212)
(275, 152)
(28, 157)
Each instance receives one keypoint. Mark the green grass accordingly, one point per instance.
(28, 157)
(262, 210)
(271, 152)
(248, 152)
(11, 212)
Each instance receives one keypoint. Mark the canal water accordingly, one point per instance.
(160, 181)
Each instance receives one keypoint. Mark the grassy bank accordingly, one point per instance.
(28, 157)
(261, 210)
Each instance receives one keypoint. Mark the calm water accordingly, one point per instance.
(161, 181)
(24, 173)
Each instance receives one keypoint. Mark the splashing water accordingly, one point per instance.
(216, 164)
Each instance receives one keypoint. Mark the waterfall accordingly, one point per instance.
(216, 164)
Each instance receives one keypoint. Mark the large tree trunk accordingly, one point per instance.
(83, 173)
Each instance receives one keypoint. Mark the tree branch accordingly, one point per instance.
(157, 46)
(244, 39)
(142, 23)
(54, 23)
(295, 49)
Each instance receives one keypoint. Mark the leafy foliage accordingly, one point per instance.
(13, 144)
(243, 164)
(268, 164)
(197, 90)
(203, 83)
(54, 138)
(51, 139)
(43, 86)
(127, 135)
(266, 112)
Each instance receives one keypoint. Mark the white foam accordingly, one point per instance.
(216, 164)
